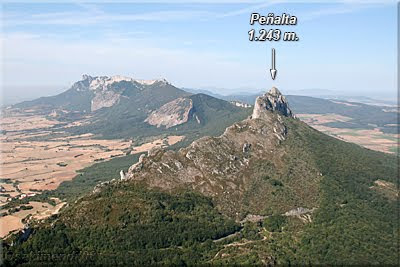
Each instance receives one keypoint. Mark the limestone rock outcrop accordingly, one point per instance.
(171, 114)
(272, 101)
(104, 99)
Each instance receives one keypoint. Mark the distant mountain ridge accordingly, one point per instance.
(123, 107)
(94, 93)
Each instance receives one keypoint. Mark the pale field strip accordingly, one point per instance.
(322, 118)
(373, 139)
(345, 103)
(170, 140)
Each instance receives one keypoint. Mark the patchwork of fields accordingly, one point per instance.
(37, 155)
(373, 139)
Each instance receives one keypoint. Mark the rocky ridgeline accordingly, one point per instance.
(102, 83)
(224, 167)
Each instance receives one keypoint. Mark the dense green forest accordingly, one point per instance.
(127, 224)
(354, 224)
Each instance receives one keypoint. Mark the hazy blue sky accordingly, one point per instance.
(347, 46)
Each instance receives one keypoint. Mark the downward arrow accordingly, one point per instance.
(273, 70)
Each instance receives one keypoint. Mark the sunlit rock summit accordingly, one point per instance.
(274, 101)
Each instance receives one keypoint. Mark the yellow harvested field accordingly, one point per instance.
(39, 211)
(42, 165)
(8, 224)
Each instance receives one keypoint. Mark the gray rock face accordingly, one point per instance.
(122, 175)
(99, 186)
(272, 101)
(136, 167)
(246, 147)
(104, 99)
(171, 114)
(298, 211)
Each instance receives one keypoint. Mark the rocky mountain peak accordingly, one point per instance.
(86, 77)
(273, 100)
(274, 91)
